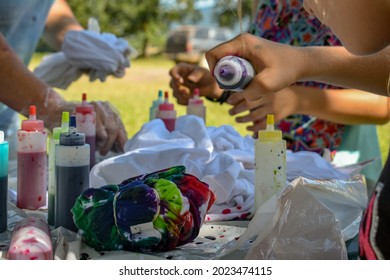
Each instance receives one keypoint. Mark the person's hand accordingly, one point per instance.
(276, 65)
(186, 77)
(111, 134)
(281, 104)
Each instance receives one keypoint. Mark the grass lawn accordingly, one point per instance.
(133, 94)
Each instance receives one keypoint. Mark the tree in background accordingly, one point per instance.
(146, 23)
(143, 23)
(227, 12)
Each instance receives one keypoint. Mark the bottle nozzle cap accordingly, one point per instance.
(32, 124)
(32, 111)
(84, 107)
(270, 120)
(72, 121)
(196, 93)
(65, 117)
(195, 100)
(270, 134)
(1, 136)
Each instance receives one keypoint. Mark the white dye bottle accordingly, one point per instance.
(270, 163)
(196, 106)
(233, 73)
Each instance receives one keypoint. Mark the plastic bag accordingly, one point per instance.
(310, 219)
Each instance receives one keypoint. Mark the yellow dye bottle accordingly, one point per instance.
(270, 163)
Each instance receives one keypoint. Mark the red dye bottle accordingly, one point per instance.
(31, 163)
(86, 123)
(167, 113)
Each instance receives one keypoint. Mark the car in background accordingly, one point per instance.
(188, 43)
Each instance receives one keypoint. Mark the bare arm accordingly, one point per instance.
(279, 66)
(19, 88)
(59, 21)
(335, 65)
(345, 106)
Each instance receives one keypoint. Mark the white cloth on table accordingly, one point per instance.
(219, 156)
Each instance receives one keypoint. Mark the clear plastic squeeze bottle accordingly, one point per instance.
(233, 73)
(86, 123)
(153, 109)
(31, 163)
(270, 163)
(72, 175)
(54, 140)
(196, 106)
(167, 113)
(4, 152)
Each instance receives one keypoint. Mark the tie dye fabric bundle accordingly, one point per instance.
(155, 211)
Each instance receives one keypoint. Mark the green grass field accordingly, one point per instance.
(133, 94)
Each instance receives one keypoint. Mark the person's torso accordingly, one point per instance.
(287, 22)
(22, 23)
(374, 233)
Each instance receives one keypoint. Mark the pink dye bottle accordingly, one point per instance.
(167, 113)
(86, 123)
(32, 163)
(196, 106)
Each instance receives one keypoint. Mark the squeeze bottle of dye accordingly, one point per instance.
(153, 109)
(72, 175)
(31, 240)
(54, 140)
(31, 163)
(196, 106)
(270, 163)
(86, 123)
(233, 73)
(4, 151)
(167, 113)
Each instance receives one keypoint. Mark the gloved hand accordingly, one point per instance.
(98, 54)
(111, 134)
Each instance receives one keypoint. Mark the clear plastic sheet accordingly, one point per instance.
(310, 219)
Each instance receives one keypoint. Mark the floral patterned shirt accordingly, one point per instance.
(287, 22)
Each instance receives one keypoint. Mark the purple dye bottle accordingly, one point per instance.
(72, 174)
(32, 163)
(233, 73)
(4, 151)
(86, 123)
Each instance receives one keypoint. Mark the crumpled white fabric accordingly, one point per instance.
(219, 156)
(98, 54)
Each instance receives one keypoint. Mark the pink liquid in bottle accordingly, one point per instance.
(167, 113)
(31, 240)
(31, 163)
